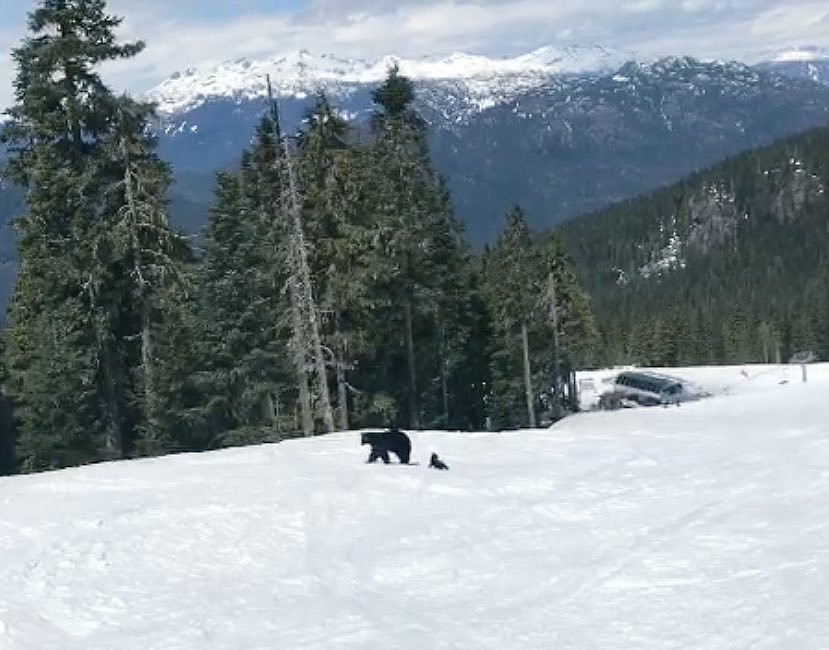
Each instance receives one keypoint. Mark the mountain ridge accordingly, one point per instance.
(561, 144)
(491, 78)
(297, 73)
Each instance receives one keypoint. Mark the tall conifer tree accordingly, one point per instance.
(417, 240)
(331, 179)
(94, 244)
(245, 376)
(542, 323)
(64, 369)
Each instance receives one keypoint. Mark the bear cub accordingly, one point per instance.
(437, 463)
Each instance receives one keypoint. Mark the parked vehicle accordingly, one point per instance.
(649, 389)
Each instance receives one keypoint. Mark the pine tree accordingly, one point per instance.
(569, 326)
(399, 158)
(243, 302)
(821, 305)
(64, 368)
(578, 332)
(173, 420)
(460, 360)
(415, 247)
(331, 180)
(768, 338)
(737, 334)
(7, 455)
(543, 326)
(155, 260)
(512, 294)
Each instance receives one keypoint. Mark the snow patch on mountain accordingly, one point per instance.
(487, 80)
(667, 259)
(803, 54)
(806, 62)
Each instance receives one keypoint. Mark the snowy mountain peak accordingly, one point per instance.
(299, 72)
(804, 62)
(801, 54)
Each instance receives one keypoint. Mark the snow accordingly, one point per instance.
(665, 260)
(460, 85)
(294, 74)
(805, 54)
(702, 526)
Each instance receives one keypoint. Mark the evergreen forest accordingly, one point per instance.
(332, 287)
(729, 266)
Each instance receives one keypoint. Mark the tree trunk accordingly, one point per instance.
(143, 298)
(113, 435)
(147, 364)
(574, 392)
(342, 394)
(304, 308)
(71, 89)
(114, 440)
(414, 415)
(299, 341)
(307, 293)
(342, 388)
(7, 451)
(444, 385)
(556, 349)
(528, 387)
(300, 362)
(444, 378)
(269, 416)
(322, 375)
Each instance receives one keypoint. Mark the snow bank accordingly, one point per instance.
(702, 526)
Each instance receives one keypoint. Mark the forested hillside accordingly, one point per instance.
(732, 264)
(561, 144)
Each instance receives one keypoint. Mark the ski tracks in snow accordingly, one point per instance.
(698, 527)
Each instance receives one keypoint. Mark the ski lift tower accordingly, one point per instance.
(803, 358)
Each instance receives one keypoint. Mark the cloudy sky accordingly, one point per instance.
(180, 33)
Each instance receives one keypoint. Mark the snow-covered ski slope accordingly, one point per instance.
(703, 526)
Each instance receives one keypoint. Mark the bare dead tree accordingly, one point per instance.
(305, 317)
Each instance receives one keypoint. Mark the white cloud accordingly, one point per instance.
(187, 32)
(793, 22)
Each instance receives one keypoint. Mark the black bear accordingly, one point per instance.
(437, 463)
(394, 441)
